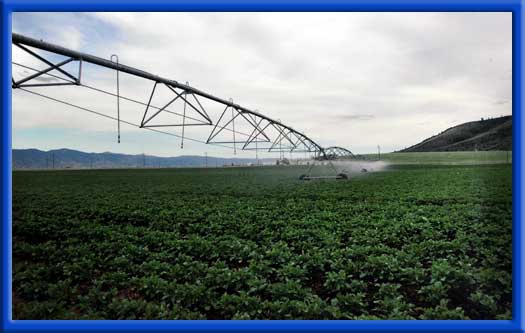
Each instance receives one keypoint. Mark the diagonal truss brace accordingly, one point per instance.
(235, 114)
(74, 80)
(183, 96)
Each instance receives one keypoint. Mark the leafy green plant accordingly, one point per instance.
(413, 242)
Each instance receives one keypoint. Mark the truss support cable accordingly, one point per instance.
(254, 136)
(28, 41)
(148, 105)
(114, 118)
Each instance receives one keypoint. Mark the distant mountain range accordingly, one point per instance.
(485, 134)
(74, 159)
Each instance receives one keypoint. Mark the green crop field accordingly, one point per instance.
(410, 242)
(447, 157)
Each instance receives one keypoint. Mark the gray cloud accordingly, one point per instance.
(354, 117)
(45, 79)
(380, 73)
(18, 75)
(501, 101)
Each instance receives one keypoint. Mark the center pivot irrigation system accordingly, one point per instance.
(263, 134)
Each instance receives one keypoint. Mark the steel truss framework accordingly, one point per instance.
(337, 153)
(265, 133)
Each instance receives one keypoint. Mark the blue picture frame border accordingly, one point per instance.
(518, 248)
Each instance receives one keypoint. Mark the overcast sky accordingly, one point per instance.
(355, 80)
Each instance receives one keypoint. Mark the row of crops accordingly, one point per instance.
(411, 242)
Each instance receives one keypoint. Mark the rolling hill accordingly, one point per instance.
(487, 134)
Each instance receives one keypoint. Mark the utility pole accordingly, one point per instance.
(143, 160)
(206, 159)
(91, 162)
(53, 159)
(378, 153)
